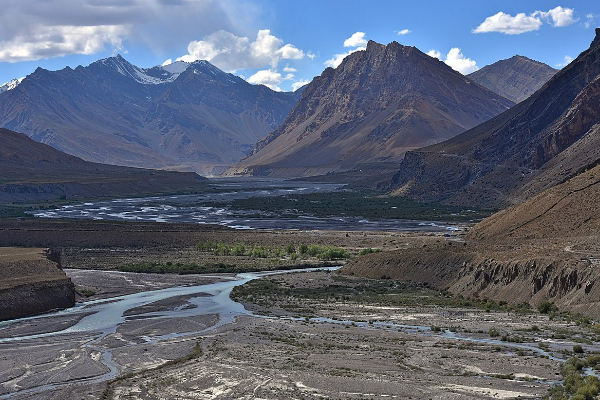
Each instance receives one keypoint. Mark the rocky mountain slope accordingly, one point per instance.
(31, 282)
(545, 249)
(375, 106)
(186, 116)
(516, 78)
(34, 171)
(539, 143)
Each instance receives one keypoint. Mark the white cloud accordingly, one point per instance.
(456, 60)
(521, 23)
(287, 68)
(297, 85)
(404, 32)
(589, 20)
(167, 62)
(33, 29)
(267, 77)
(231, 53)
(54, 41)
(566, 61)
(559, 16)
(338, 58)
(506, 23)
(356, 40)
(435, 54)
(311, 55)
(291, 52)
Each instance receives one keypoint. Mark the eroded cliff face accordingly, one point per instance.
(31, 282)
(512, 275)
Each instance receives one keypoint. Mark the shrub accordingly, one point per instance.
(547, 307)
(493, 332)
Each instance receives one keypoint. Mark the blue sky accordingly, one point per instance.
(284, 43)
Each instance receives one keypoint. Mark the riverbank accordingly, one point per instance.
(305, 334)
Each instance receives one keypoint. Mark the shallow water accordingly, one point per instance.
(195, 209)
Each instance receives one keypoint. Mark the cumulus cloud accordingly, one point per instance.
(287, 68)
(558, 16)
(33, 29)
(48, 42)
(356, 40)
(231, 53)
(521, 23)
(456, 60)
(435, 54)
(267, 77)
(506, 23)
(290, 52)
(404, 32)
(566, 61)
(297, 85)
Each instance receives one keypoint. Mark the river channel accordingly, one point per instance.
(79, 346)
(201, 209)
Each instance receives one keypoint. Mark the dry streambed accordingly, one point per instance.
(328, 336)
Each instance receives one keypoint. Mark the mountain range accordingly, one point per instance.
(516, 78)
(378, 104)
(33, 171)
(185, 116)
(543, 141)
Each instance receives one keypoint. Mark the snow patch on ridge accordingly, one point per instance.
(11, 85)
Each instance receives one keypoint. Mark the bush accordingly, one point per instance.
(493, 332)
(369, 250)
(547, 307)
(577, 349)
(290, 249)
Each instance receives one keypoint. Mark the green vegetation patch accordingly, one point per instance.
(208, 268)
(374, 292)
(355, 204)
(576, 385)
(303, 252)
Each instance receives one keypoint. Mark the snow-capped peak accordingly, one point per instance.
(11, 85)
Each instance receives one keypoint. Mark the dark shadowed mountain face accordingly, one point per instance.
(34, 171)
(181, 116)
(375, 106)
(516, 78)
(543, 141)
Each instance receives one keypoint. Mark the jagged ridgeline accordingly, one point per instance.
(543, 141)
(375, 106)
(186, 116)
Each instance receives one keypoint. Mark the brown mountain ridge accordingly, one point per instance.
(515, 78)
(31, 171)
(375, 106)
(543, 141)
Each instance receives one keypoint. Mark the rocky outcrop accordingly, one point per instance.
(543, 249)
(31, 282)
(516, 78)
(36, 298)
(375, 106)
(513, 276)
(539, 143)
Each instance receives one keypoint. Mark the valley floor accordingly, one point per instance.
(310, 335)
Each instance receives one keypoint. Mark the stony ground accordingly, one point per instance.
(307, 349)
